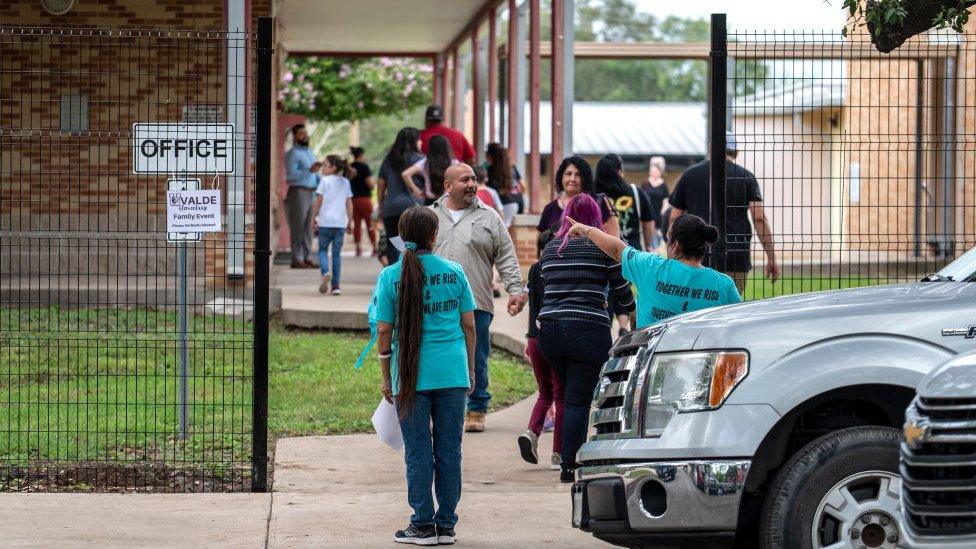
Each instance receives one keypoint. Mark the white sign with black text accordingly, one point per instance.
(183, 148)
(193, 211)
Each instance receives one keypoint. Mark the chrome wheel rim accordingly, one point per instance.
(860, 511)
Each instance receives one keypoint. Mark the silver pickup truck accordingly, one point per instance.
(773, 423)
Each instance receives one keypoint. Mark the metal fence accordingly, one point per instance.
(865, 160)
(128, 355)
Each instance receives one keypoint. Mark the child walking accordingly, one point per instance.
(426, 339)
(550, 387)
(333, 202)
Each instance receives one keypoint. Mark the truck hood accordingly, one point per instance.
(879, 300)
(915, 311)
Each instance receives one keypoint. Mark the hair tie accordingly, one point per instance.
(412, 246)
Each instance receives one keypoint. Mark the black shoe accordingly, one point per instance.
(445, 535)
(567, 475)
(417, 535)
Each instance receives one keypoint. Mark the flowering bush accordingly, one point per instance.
(335, 90)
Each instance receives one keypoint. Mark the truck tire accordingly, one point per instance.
(841, 488)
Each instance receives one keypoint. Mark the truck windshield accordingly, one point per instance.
(962, 269)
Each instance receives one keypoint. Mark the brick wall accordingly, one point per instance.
(82, 181)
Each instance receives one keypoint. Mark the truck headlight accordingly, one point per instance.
(689, 382)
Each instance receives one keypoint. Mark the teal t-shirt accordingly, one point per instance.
(668, 287)
(443, 354)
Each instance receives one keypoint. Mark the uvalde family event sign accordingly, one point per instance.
(193, 211)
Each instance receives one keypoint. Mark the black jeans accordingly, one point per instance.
(576, 350)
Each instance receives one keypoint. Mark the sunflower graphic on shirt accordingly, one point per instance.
(624, 205)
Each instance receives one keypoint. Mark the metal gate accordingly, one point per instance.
(866, 160)
(133, 358)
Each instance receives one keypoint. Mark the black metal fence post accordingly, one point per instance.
(262, 258)
(718, 95)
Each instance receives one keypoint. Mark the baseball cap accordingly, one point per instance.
(730, 144)
(434, 112)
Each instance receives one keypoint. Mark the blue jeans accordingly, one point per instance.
(434, 457)
(478, 400)
(331, 236)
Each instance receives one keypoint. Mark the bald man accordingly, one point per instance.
(475, 236)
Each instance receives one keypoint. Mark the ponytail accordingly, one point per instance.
(693, 235)
(341, 165)
(418, 228)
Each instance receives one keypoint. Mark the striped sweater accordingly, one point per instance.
(576, 282)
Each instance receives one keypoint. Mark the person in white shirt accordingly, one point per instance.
(439, 158)
(333, 204)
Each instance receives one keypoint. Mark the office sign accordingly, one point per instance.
(183, 148)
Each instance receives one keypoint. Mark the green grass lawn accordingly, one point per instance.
(102, 386)
(315, 389)
(759, 287)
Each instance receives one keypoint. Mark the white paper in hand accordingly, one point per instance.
(387, 425)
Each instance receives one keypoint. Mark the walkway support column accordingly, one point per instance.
(478, 97)
(456, 93)
(562, 74)
(492, 75)
(516, 53)
(534, 171)
(436, 80)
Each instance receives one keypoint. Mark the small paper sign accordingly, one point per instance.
(193, 211)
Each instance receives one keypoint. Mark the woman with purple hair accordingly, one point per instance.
(574, 326)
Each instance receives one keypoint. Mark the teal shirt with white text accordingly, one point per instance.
(668, 287)
(443, 354)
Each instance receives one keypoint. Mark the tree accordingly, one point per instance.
(892, 22)
(333, 89)
(645, 79)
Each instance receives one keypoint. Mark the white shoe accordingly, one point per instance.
(326, 282)
(555, 462)
(336, 291)
(528, 446)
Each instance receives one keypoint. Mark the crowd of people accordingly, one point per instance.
(609, 251)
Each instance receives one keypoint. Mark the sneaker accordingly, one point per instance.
(326, 282)
(528, 443)
(417, 535)
(336, 291)
(474, 422)
(567, 475)
(445, 535)
(555, 462)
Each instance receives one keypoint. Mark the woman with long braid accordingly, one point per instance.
(428, 369)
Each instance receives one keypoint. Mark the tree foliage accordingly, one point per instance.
(892, 22)
(335, 90)
(646, 79)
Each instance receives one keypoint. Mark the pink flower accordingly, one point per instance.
(288, 76)
(308, 86)
(398, 76)
(359, 104)
(344, 71)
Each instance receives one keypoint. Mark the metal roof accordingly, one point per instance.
(668, 129)
(798, 97)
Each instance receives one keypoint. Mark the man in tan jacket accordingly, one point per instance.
(475, 236)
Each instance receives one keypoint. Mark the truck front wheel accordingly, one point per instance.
(839, 491)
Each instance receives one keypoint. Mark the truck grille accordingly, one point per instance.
(938, 467)
(616, 401)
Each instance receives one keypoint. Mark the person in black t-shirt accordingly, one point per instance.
(362, 199)
(691, 195)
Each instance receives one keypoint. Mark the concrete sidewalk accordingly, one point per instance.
(350, 491)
